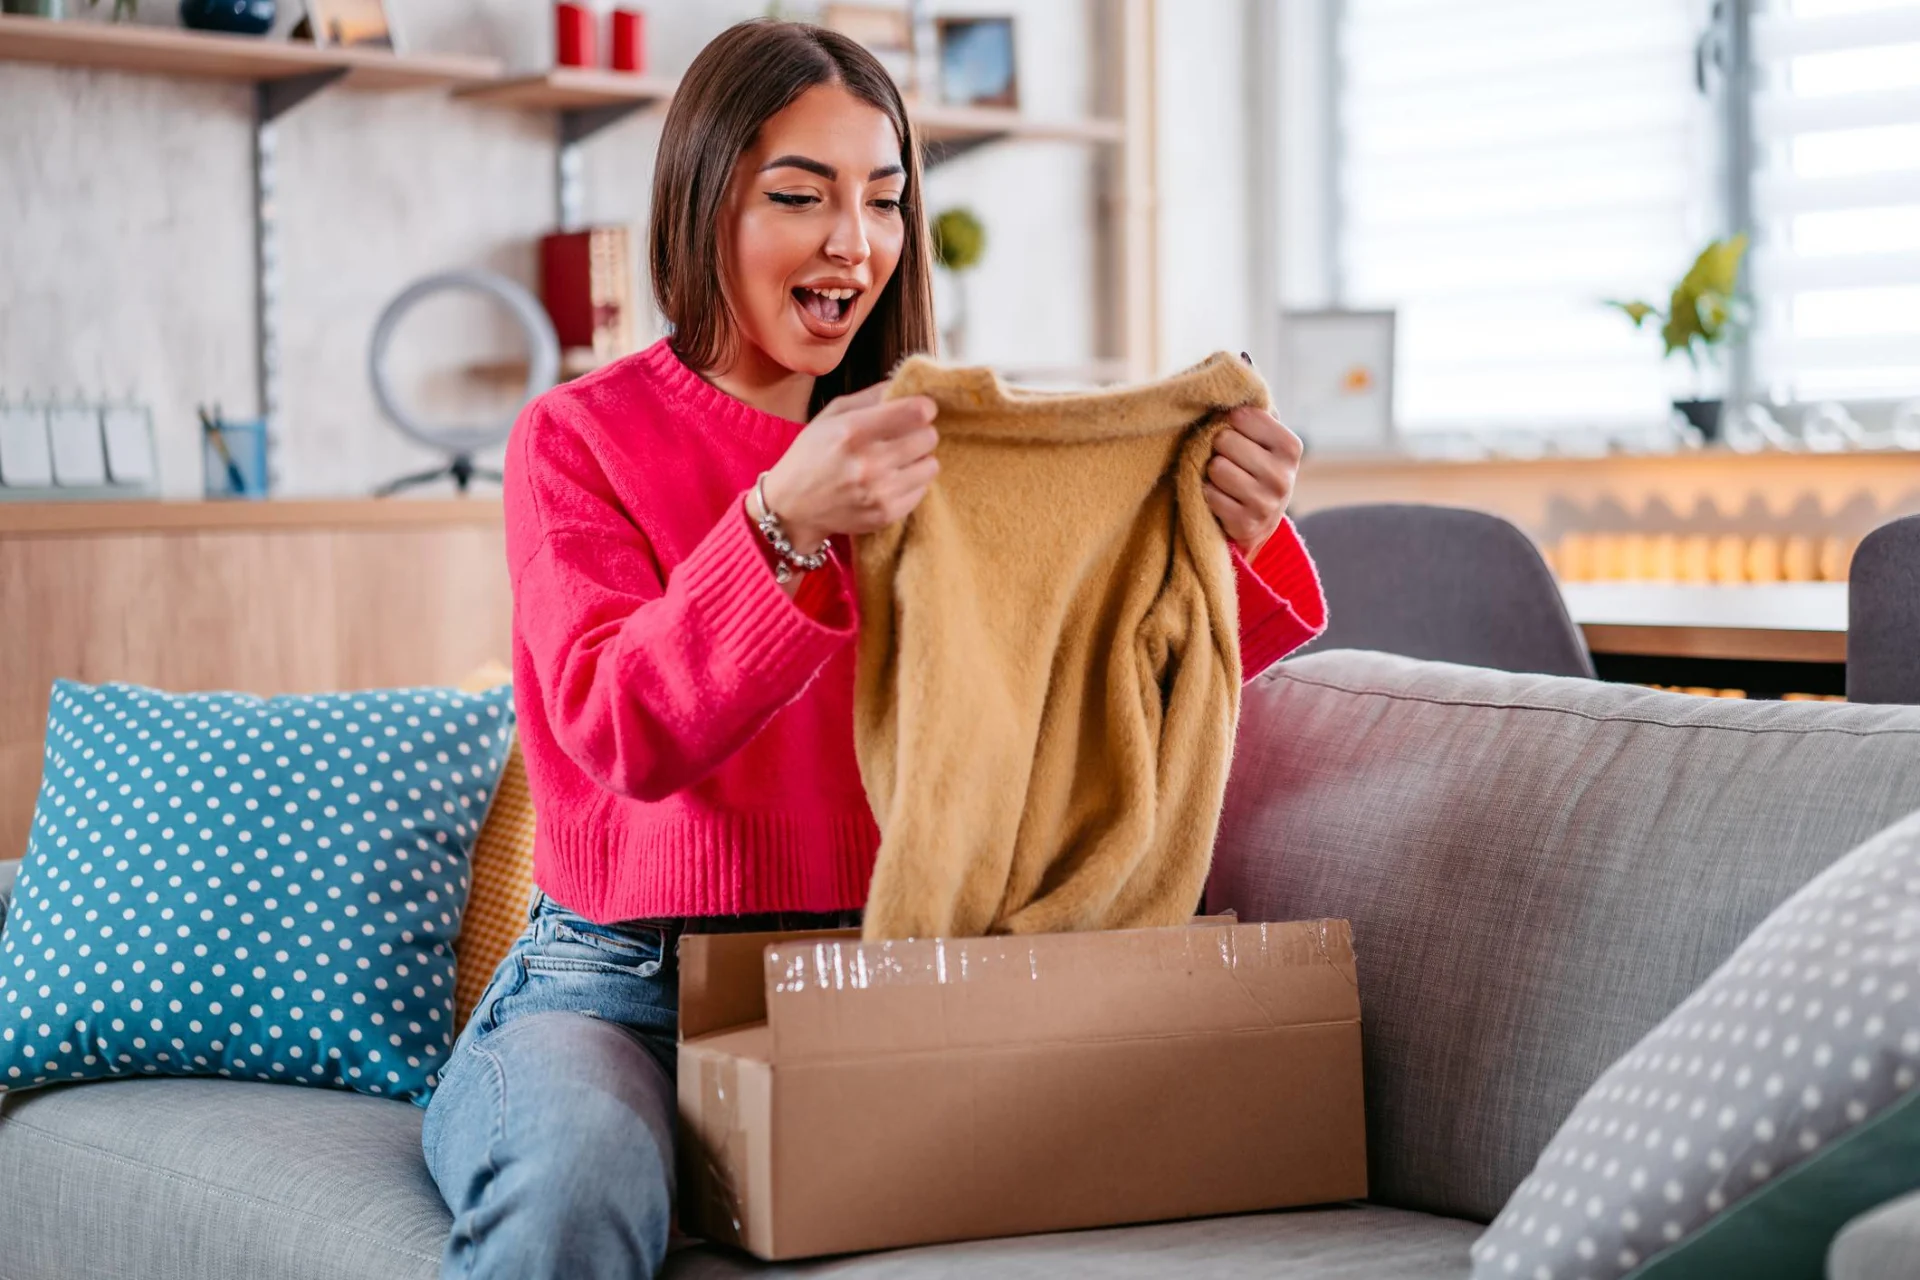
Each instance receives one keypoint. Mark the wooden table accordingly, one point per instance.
(1788, 637)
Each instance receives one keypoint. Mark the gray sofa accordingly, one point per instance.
(1537, 870)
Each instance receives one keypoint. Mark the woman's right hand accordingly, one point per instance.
(860, 465)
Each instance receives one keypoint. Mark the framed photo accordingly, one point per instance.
(351, 24)
(976, 62)
(1337, 388)
(886, 31)
(877, 26)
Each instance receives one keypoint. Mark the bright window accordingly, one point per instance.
(1504, 166)
(1837, 199)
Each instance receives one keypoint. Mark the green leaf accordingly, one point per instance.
(1683, 322)
(1718, 266)
(1636, 311)
(1705, 305)
(1714, 311)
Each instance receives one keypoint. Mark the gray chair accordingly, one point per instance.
(1441, 583)
(1883, 615)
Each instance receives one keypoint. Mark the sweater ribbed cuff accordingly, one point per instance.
(684, 863)
(1281, 603)
(826, 594)
(755, 628)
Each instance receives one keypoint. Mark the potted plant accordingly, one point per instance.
(1703, 313)
(959, 242)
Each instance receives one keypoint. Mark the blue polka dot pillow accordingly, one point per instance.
(267, 889)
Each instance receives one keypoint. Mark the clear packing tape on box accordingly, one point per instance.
(839, 1095)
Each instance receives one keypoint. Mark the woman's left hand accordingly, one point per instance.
(1251, 475)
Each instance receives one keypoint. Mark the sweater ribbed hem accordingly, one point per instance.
(749, 620)
(1282, 605)
(707, 864)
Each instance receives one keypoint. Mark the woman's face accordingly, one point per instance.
(812, 228)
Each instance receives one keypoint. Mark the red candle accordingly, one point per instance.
(629, 40)
(572, 35)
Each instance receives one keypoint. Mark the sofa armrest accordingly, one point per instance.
(1883, 1244)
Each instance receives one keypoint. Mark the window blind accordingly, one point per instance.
(1504, 166)
(1837, 198)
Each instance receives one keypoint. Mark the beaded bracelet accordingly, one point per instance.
(770, 527)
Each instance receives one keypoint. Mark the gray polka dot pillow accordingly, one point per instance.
(1774, 1105)
(269, 889)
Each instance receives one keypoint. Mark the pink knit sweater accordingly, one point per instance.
(687, 727)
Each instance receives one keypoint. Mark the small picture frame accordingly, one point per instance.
(877, 26)
(351, 24)
(885, 31)
(977, 64)
(1337, 382)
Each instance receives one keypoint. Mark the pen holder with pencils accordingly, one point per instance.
(234, 457)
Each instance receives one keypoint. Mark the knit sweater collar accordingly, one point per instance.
(976, 402)
(708, 405)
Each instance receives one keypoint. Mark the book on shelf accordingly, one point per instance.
(587, 281)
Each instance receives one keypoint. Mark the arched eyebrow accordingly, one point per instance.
(826, 171)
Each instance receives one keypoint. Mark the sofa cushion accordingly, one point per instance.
(268, 888)
(214, 1180)
(1538, 869)
(1882, 1245)
(502, 887)
(1778, 1102)
(1349, 1242)
(225, 1180)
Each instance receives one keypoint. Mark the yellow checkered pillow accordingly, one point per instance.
(502, 872)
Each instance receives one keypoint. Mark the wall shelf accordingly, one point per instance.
(201, 55)
(286, 73)
(575, 362)
(68, 519)
(206, 55)
(573, 88)
(946, 132)
(587, 100)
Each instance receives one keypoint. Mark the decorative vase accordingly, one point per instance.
(629, 40)
(573, 35)
(236, 17)
(1704, 414)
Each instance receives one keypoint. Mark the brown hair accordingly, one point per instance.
(752, 71)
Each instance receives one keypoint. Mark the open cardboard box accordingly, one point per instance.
(838, 1096)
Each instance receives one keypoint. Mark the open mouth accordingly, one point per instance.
(829, 308)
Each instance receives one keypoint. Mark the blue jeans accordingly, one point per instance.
(551, 1133)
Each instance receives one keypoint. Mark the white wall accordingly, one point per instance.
(126, 261)
(1207, 288)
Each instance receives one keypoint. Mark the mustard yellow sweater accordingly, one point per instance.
(1048, 668)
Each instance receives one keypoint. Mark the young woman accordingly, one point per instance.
(685, 686)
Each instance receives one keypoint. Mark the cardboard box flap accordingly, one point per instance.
(722, 977)
(838, 997)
